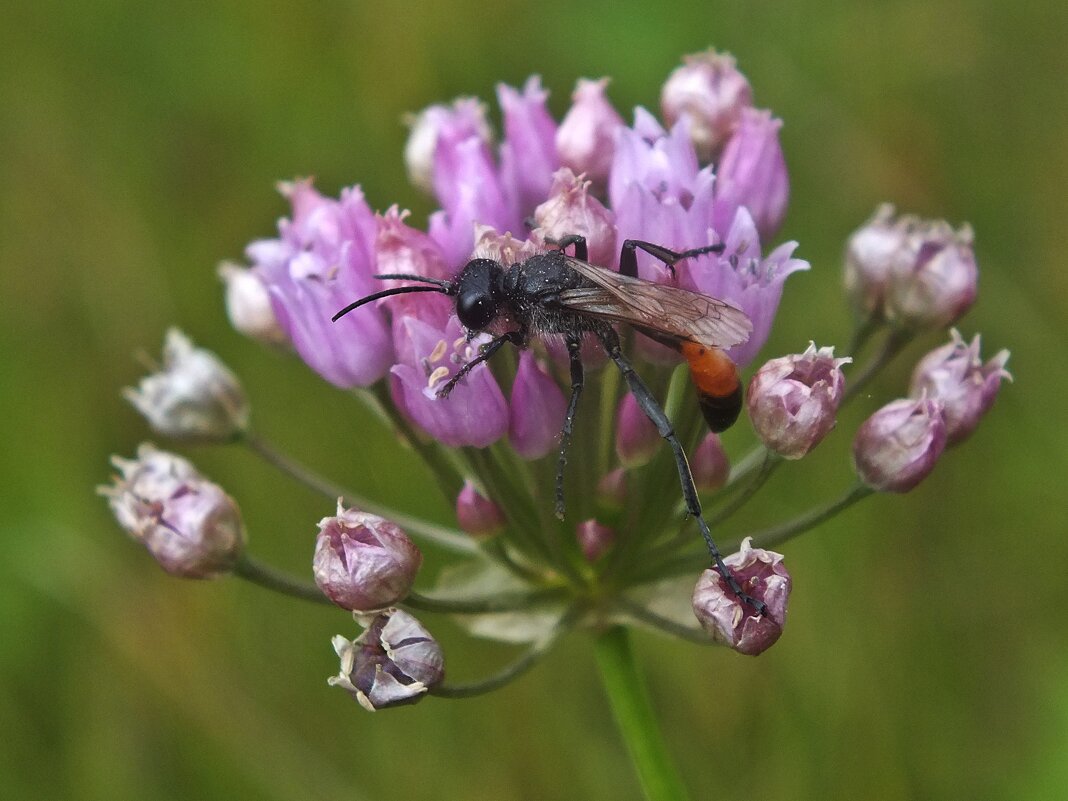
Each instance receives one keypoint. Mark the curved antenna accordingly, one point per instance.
(385, 293)
(409, 277)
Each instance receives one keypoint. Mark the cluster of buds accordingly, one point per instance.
(711, 177)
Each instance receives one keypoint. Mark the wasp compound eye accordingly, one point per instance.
(476, 309)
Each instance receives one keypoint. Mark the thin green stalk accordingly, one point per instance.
(650, 618)
(271, 578)
(633, 711)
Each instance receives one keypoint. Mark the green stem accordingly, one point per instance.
(480, 606)
(446, 538)
(257, 572)
(651, 618)
(894, 343)
(632, 709)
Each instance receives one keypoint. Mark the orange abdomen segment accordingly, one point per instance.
(719, 391)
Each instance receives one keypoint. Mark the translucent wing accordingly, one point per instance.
(665, 309)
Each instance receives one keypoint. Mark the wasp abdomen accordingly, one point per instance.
(719, 391)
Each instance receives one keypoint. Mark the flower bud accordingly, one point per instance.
(709, 463)
(248, 305)
(571, 209)
(793, 400)
(730, 620)
(594, 539)
(392, 663)
(465, 118)
(898, 446)
(536, 413)
(869, 257)
(711, 92)
(586, 138)
(751, 173)
(636, 437)
(933, 280)
(362, 561)
(194, 396)
(188, 524)
(955, 375)
(612, 489)
(476, 514)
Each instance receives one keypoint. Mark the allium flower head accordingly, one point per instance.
(394, 662)
(722, 614)
(364, 562)
(712, 93)
(193, 396)
(793, 400)
(955, 375)
(898, 446)
(188, 524)
(586, 138)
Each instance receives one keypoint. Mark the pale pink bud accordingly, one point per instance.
(612, 489)
(571, 209)
(394, 662)
(362, 561)
(793, 400)
(636, 437)
(869, 257)
(537, 409)
(594, 538)
(248, 305)
(188, 524)
(955, 375)
(710, 91)
(898, 446)
(466, 117)
(193, 396)
(763, 576)
(476, 514)
(586, 138)
(709, 463)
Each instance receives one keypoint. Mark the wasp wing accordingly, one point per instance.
(665, 309)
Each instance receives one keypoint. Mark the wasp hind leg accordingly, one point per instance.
(628, 255)
(574, 352)
(658, 416)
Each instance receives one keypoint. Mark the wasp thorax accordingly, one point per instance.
(476, 293)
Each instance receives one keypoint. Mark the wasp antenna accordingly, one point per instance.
(408, 277)
(385, 293)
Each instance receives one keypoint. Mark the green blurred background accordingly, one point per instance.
(926, 655)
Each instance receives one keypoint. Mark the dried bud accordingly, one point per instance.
(711, 92)
(594, 539)
(248, 305)
(793, 400)
(586, 138)
(465, 118)
(188, 524)
(612, 489)
(898, 446)
(933, 279)
(571, 209)
(636, 437)
(727, 618)
(476, 514)
(869, 257)
(393, 663)
(955, 375)
(363, 562)
(710, 465)
(194, 396)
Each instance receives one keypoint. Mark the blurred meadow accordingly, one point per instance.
(927, 650)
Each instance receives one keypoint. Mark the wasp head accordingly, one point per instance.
(477, 290)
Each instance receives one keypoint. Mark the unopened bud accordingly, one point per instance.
(612, 489)
(248, 305)
(571, 209)
(729, 619)
(898, 446)
(955, 375)
(476, 514)
(193, 396)
(364, 562)
(188, 524)
(636, 437)
(536, 413)
(594, 538)
(586, 138)
(793, 400)
(751, 173)
(466, 117)
(709, 463)
(711, 92)
(394, 662)
(869, 257)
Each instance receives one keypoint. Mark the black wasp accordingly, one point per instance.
(556, 294)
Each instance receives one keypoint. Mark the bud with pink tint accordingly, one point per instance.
(571, 209)
(536, 411)
(636, 437)
(956, 375)
(594, 538)
(793, 400)
(898, 446)
(612, 489)
(394, 662)
(869, 257)
(465, 118)
(710, 91)
(763, 576)
(362, 561)
(248, 305)
(188, 524)
(751, 174)
(709, 463)
(476, 514)
(586, 138)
